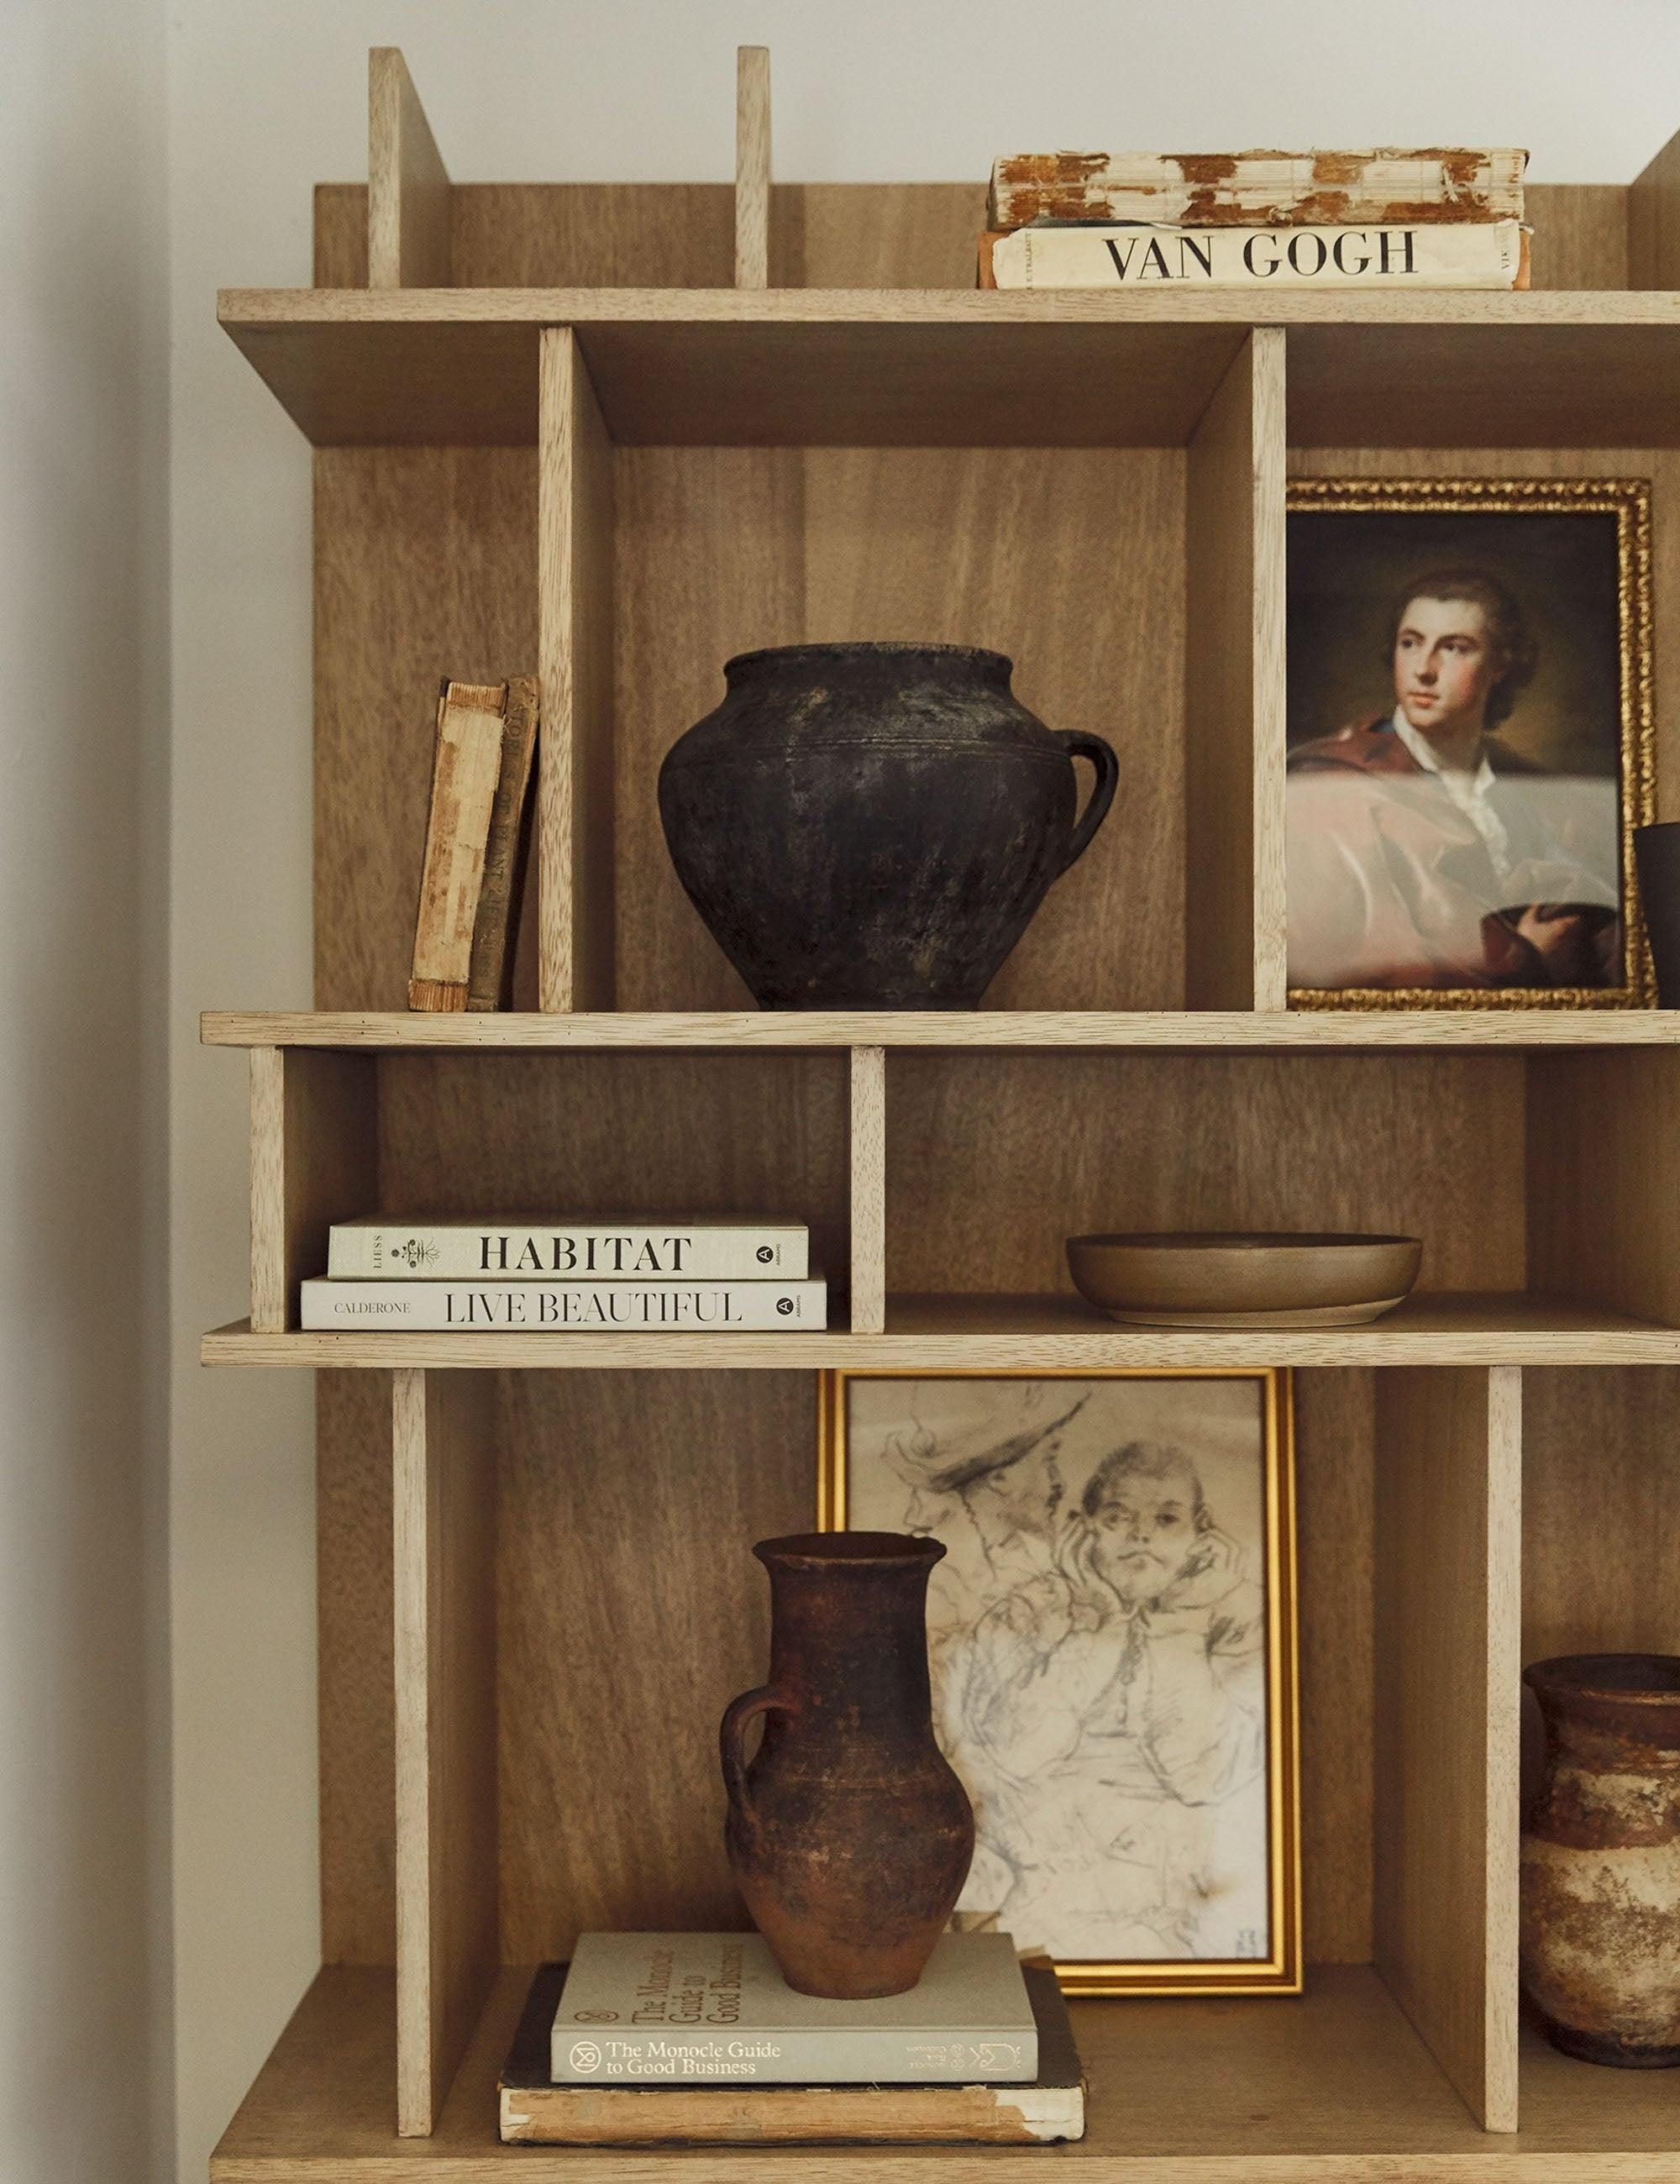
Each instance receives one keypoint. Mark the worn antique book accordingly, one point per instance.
(1484, 255)
(535, 2111)
(466, 771)
(375, 1250)
(685, 2009)
(621, 1307)
(495, 932)
(1389, 186)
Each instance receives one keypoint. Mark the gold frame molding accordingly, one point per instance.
(1281, 1971)
(1629, 501)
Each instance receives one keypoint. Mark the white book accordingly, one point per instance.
(703, 2009)
(525, 1246)
(1484, 254)
(615, 1307)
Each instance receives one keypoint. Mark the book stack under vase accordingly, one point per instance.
(1383, 220)
(697, 2039)
(531, 1274)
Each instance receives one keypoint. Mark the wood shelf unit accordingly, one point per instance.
(549, 433)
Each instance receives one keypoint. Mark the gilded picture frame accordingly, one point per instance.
(1608, 652)
(910, 1451)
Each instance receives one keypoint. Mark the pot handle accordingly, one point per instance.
(731, 1738)
(1078, 745)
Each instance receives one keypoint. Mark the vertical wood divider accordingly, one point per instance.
(1234, 688)
(752, 167)
(313, 1160)
(575, 644)
(869, 1190)
(443, 1490)
(1653, 222)
(1448, 1654)
(408, 183)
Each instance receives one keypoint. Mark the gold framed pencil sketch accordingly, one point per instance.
(1470, 742)
(1112, 1652)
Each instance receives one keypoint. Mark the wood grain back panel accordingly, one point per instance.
(612, 1135)
(1070, 560)
(1600, 1511)
(357, 1714)
(425, 564)
(993, 1160)
(1334, 1501)
(1581, 234)
(630, 1612)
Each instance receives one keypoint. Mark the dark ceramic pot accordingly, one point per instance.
(848, 1833)
(871, 826)
(1656, 857)
(1600, 1923)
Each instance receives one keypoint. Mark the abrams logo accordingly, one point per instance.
(414, 1253)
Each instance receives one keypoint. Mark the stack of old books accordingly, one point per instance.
(1266, 220)
(697, 2039)
(532, 1275)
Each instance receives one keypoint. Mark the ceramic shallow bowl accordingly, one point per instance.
(1214, 1280)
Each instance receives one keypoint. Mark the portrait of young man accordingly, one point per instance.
(1454, 793)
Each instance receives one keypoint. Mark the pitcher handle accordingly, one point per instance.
(731, 1740)
(1078, 745)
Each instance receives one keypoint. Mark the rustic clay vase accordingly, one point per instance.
(871, 826)
(1601, 1858)
(849, 1835)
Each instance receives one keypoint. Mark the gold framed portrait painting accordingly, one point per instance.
(1111, 1650)
(1470, 742)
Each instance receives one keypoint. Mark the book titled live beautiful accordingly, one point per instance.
(1474, 254)
(526, 1246)
(665, 2111)
(587, 1307)
(646, 2009)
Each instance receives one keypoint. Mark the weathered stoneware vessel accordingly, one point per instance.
(849, 1835)
(1601, 1858)
(872, 825)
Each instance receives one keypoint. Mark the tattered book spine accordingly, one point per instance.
(1264, 259)
(1266, 189)
(466, 770)
(495, 933)
(611, 1308)
(458, 1251)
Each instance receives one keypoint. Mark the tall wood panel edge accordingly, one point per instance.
(1449, 1657)
(868, 1214)
(444, 1496)
(1653, 222)
(1234, 688)
(1383, 1031)
(408, 183)
(575, 640)
(752, 167)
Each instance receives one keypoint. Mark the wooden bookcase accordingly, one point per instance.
(573, 426)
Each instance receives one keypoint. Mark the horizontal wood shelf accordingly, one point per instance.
(950, 367)
(989, 1028)
(1025, 1333)
(1333, 2087)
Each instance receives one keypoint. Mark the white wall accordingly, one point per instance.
(263, 101)
(84, 750)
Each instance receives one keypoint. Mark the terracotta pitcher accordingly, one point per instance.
(849, 1835)
(1601, 1858)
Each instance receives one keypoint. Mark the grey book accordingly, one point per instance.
(512, 1247)
(709, 2008)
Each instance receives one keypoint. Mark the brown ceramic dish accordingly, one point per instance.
(1208, 1279)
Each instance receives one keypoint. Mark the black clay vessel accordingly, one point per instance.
(1656, 853)
(872, 825)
